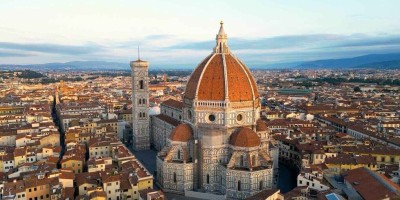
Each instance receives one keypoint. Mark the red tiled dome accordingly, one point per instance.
(244, 137)
(181, 133)
(221, 76)
(261, 125)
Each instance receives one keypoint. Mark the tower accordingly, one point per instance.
(140, 101)
(57, 97)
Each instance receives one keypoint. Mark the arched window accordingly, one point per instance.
(179, 154)
(141, 84)
(144, 115)
(241, 160)
(239, 186)
(208, 179)
(140, 101)
(140, 114)
(144, 101)
(174, 177)
(189, 114)
(261, 185)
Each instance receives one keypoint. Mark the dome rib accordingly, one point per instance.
(249, 77)
(192, 85)
(202, 74)
(212, 82)
(225, 77)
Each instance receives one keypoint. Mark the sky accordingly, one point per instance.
(180, 33)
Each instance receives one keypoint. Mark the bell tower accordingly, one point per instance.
(140, 102)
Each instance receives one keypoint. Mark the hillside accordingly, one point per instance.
(366, 61)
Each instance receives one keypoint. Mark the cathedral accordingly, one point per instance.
(212, 143)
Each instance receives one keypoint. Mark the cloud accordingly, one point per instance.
(174, 51)
(13, 54)
(52, 48)
(153, 41)
(278, 42)
(301, 47)
(371, 41)
(158, 37)
(313, 41)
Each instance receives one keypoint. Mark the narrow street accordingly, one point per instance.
(287, 178)
(62, 134)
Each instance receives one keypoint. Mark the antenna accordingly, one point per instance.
(138, 52)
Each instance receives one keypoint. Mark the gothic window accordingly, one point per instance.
(208, 179)
(239, 185)
(189, 114)
(174, 177)
(140, 114)
(141, 84)
(140, 101)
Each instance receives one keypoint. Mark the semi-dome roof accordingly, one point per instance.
(181, 133)
(221, 76)
(261, 125)
(244, 137)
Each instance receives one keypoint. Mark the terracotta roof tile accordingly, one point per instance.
(191, 87)
(212, 83)
(238, 81)
(211, 76)
(244, 137)
(173, 103)
(261, 125)
(369, 184)
(182, 133)
(168, 119)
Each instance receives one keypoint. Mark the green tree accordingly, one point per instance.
(357, 89)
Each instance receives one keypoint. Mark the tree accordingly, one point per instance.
(29, 74)
(357, 89)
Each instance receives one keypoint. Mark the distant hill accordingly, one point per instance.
(394, 64)
(288, 65)
(74, 65)
(89, 65)
(373, 61)
(367, 61)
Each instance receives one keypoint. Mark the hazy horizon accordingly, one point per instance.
(182, 32)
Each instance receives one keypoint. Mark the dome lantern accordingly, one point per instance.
(222, 77)
(222, 40)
